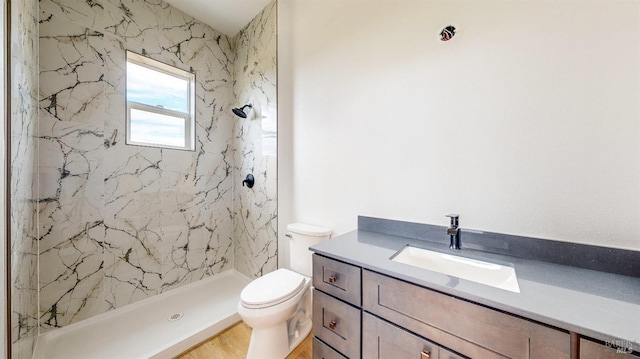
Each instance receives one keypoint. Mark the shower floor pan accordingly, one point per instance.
(162, 326)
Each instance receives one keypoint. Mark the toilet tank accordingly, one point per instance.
(304, 236)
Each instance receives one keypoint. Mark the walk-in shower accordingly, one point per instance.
(97, 224)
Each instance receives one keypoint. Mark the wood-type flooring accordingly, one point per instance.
(233, 343)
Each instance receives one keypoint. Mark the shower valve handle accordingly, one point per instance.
(249, 181)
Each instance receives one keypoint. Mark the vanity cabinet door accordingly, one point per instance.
(467, 328)
(592, 350)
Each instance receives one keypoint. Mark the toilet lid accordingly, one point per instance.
(272, 288)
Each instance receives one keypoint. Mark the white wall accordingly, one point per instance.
(527, 122)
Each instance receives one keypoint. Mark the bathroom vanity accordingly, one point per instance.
(368, 306)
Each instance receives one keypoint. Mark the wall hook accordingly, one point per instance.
(249, 181)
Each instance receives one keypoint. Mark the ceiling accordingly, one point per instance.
(226, 16)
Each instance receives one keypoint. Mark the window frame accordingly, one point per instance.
(188, 117)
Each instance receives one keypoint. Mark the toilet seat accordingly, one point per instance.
(272, 289)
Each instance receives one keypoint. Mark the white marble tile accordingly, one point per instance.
(70, 170)
(87, 13)
(71, 274)
(255, 209)
(120, 223)
(130, 19)
(24, 213)
(23, 181)
(184, 259)
(24, 292)
(132, 260)
(71, 74)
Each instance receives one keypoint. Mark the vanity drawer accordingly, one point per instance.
(446, 320)
(339, 279)
(337, 324)
(323, 351)
(382, 340)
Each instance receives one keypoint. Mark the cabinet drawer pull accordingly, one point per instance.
(333, 279)
(425, 355)
(332, 325)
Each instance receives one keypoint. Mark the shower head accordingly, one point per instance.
(240, 111)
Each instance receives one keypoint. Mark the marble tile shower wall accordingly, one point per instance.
(255, 210)
(120, 223)
(24, 119)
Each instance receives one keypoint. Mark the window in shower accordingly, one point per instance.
(160, 104)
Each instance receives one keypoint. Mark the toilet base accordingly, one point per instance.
(274, 342)
(303, 331)
(269, 343)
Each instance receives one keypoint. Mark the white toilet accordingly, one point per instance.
(278, 305)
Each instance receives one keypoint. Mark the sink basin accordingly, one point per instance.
(487, 273)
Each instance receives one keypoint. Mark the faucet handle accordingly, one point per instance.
(454, 219)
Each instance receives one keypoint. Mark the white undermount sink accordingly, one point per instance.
(495, 275)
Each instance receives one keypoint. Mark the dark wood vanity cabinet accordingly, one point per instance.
(468, 329)
(336, 309)
(358, 313)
